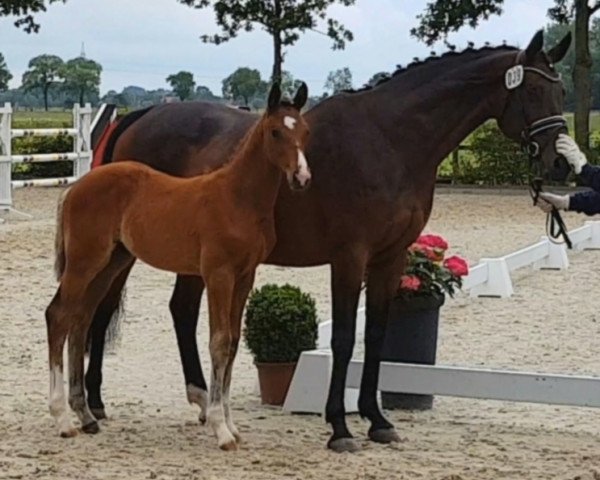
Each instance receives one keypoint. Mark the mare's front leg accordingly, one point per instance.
(106, 313)
(347, 273)
(382, 283)
(185, 306)
(220, 284)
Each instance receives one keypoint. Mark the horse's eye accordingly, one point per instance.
(276, 133)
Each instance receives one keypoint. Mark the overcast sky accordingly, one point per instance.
(141, 42)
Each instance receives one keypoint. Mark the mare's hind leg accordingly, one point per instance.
(96, 290)
(185, 306)
(242, 289)
(105, 314)
(220, 285)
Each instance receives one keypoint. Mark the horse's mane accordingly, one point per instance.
(447, 59)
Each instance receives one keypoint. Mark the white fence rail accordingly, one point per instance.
(489, 278)
(81, 155)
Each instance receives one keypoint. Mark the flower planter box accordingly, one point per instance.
(411, 337)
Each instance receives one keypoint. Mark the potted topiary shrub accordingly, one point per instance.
(412, 328)
(281, 322)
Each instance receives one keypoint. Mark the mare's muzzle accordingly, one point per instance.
(530, 144)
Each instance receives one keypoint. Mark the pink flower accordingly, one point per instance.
(457, 266)
(433, 254)
(410, 282)
(433, 241)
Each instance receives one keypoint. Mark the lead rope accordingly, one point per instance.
(555, 225)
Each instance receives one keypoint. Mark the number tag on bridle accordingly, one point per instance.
(513, 77)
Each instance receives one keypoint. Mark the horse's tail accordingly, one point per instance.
(123, 124)
(59, 240)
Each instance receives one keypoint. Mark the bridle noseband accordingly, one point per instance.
(555, 226)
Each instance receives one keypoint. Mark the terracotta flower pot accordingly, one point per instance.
(274, 380)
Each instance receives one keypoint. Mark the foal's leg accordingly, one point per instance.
(185, 306)
(242, 289)
(95, 291)
(220, 285)
(58, 328)
(97, 333)
(384, 277)
(347, 272)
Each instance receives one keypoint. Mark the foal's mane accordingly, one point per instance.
(448, 59)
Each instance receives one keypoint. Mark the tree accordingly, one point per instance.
(283, 20)
(375, 79)
(44, 73)
(289, 85)
(444, 16)
(25, 8)
(182, 84)
(339, 80)
(82, 76)
(245, 83)
(5, 75)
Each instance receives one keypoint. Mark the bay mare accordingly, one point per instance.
(374, 155)
(219, 226)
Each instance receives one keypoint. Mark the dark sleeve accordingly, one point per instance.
(585, 202)
(590, 174)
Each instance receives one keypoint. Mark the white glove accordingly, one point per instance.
(548, 200)
(567, 147)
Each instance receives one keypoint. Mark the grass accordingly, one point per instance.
(55, 118)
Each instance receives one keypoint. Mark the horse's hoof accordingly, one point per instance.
(229, 446)
(99, 413)
(91, 428)
(202, 418)
(341, 445)
(70, 433)
(384, 435)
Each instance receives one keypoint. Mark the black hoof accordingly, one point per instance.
(99, 413)
(341, 445)
(91, 428)
(384, 435)
(202, 419)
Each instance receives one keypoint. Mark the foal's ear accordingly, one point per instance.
(535, 46)
(274, 97)
(301, 97)
(557, 53)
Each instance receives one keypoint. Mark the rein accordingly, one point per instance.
(555, 225)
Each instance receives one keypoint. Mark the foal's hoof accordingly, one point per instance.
(70, 433)
(229, 446)
(384, 435)
(99, 413)
(340, 445)
(202, 418)
(91, 428)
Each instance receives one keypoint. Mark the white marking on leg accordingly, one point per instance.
(290, 122)
(216, 419)
(57, 402)
(228, 420)
(199, 397)
(303, 172)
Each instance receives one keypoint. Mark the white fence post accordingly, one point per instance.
(498, 282)
(5, 157)
(82, 121)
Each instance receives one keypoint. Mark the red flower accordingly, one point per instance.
(410, 282)
(433, 241)
(457, 266)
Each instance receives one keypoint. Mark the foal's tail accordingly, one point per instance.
(59, 241)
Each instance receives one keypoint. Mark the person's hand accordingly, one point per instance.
(548, 200)
(567, 147)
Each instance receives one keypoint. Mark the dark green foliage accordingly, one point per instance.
(281, 323)
(33, 145)
(182, 84)
(5, 75)
(498, 160)
(24, 9)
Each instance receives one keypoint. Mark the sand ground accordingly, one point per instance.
(551, 324)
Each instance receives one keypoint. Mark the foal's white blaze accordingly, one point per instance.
(289, 122)
(57, 402)
(303, 172)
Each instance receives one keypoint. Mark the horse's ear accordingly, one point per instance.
(274, 97)
(557, 53)
(301, 97)
(535, 46)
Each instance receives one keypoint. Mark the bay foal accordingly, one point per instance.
(219, 226)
